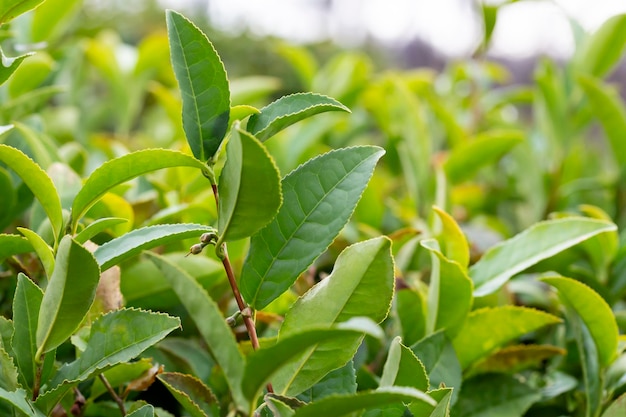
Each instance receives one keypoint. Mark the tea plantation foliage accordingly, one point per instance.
(379, 243)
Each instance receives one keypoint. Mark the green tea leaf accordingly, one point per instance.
(119, 170)
(603, 50)
(265, 362)
(238, 113)
(210, 322)
(195, 397)
(10, 9)
(43, 250)
(9, 65)
(495, 395)
(70, 292)
(440, 360)
(249, 188)
(488, 329)
(617, 407)
(403, 368)
(318, 199)
(594, 312)
(606, 104)
(132, 243)
(361, 285)
(453, 242)
(38, 181)
(512, 359)
(411, 312)
(203, 85)
(339, 381)
(96, 227)
(145, 411)
(443, 396)
(13, 245)
(288, 110)
(342, 405)
(449, 293)
(278, 406)
(8, 372)
(535, 244)
(466, 159)
(19, 400)
(49, 18)
(115, 337)
(26, 305)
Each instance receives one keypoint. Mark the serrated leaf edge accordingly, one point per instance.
(169, 386)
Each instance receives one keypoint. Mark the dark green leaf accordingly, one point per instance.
(210, 322)
(495, 395)
(203, 85)
(195, 397)
(19, 401)
(403, 368)
(342, 405)
(440, 360)
(145, 411)
(70, 292)
(288, 110)
(318, 199)
(13, 245)
(411, 312)
(132, 243)
(339, 381)
(249, 188)
(26, 305)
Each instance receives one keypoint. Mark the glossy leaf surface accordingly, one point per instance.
(495, 395)
(342, 405)
(119, 170)
(403, 368)
(210, 322)
(26, 305)
(535, 244)
(361, 285)
(132, 243)
(288, 110)
(116, 337)
(195, 397)
(249, 188)
(10, 9)
(13, 245)
(264, 363)
(43, 250)
(449, 293)
(145, 411)
(70, 292)
(594, 312)
(9, 65)
(38, 181)
(453, 242)
(318, 199)
(98, 226)
(203, 85)
(488, 329)
(18, 400)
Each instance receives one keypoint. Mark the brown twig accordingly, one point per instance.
(118, 400)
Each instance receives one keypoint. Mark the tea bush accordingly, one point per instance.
(383, 243)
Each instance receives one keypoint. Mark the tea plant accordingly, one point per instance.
(293, 312)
